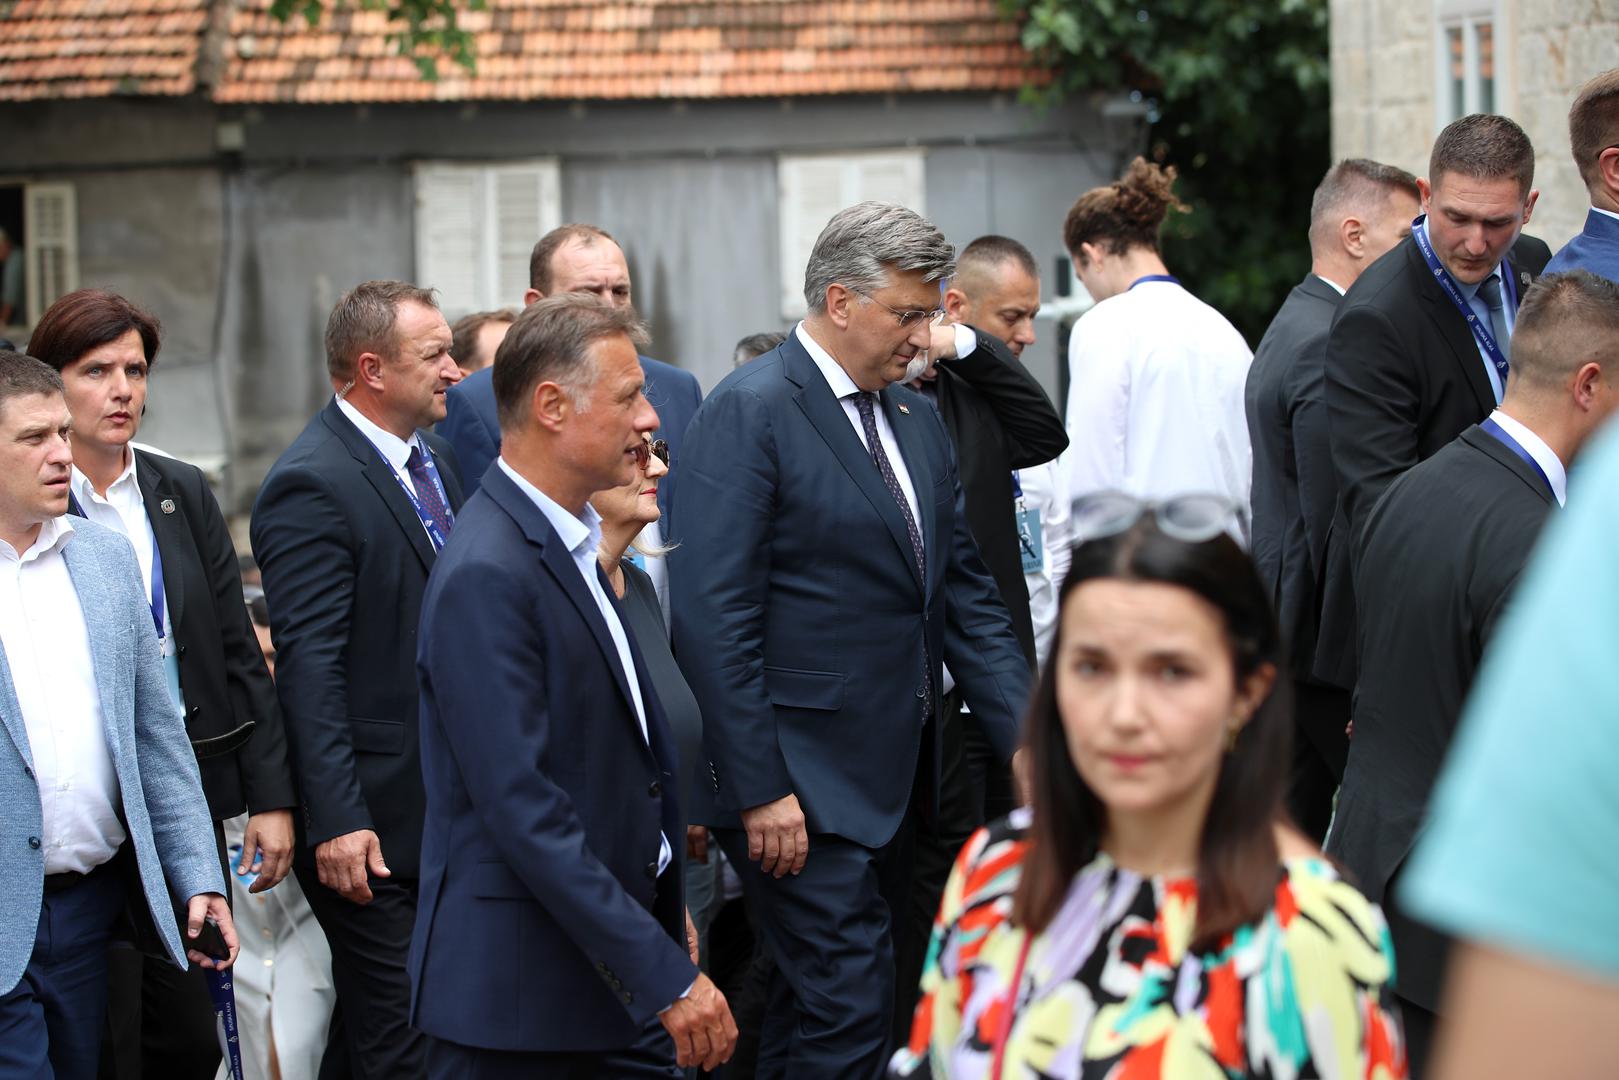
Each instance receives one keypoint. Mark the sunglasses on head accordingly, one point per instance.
(1190, 518)
(658, 447)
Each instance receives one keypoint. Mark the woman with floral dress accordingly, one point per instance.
(1153, 915)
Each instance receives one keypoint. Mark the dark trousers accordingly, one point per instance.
(652, 1055)
(829, 931)
(1419, 1025)
(50, 1022)
(742, 969)
(369, 945)
(1320, 752)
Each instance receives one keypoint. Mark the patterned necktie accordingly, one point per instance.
(868, 420)
(427, 492)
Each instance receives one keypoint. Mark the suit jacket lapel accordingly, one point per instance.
(1491, 447)
(169, 530)
(382, 478)
(1453, 328)
(11, 713)
(452, 485)
(916, 464)
(104, 624)
(826, 415)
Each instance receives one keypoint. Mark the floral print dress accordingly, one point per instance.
(1111, 991)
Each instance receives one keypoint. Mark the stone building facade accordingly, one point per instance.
(1402, 69)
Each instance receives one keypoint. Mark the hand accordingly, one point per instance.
(943, 345)
(697, 843)
(268, 836)
(701, 1025)
(776, 835)
(1022, 782)
(691, 938)
(204, 906)
(342, 863)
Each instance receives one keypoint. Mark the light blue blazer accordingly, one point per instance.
(164, 810)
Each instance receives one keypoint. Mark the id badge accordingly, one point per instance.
(1031, 543)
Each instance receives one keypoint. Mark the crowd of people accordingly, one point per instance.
(868, 716)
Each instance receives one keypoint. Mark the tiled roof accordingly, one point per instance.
(98, 48)
(526, 50)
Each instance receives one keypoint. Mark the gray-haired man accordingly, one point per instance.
(824, 573)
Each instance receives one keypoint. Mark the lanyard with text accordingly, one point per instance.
(1029, 531)
(1484, 334)
(1505, 438)
(222, 988)
(1171, 278)
(434, 533)
(157, 587)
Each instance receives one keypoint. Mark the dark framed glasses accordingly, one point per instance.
(1192, 518)
(657, 447)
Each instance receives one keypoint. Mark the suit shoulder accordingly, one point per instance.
(172, 469)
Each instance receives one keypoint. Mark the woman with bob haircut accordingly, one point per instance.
(1153, 914)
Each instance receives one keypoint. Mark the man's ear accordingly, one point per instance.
(1425, 191)
(531, 295)
(955, 302)
(839, 302)
(368, 370)
(1588, 384)
(1529, 204)
(1352, 235)
(549, 405)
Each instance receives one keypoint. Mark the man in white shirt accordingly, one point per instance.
(96, 762)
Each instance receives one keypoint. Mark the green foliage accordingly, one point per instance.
(430, 28)
(1238, 93)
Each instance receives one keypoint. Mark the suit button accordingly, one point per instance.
(601, 965)
(26, 771)
(617, 985)
(921, 692)
(655, 790)
(195, 709)
(651, 868)
(626, 998)
(181, 650)
(33, 842)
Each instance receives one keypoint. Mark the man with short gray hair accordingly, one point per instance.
(825, 573)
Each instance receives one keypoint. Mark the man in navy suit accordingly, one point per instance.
(551, 939)
(825, 572)
(1593, 133)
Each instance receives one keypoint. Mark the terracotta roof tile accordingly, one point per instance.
(526, 50)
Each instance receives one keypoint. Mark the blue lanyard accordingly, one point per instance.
(1171, 278)
(1017, 485)
(156, 602)
(1485, 336)
(222, 988)
(434, 533)
(1506, 439)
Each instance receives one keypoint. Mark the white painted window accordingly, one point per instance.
(475, 227)
(41, 222)
(813, 187)
(1468, 76)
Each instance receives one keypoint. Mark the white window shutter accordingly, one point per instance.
(51, 228)
(527, 204)
(449, 235)
(812, 188)
(475, 227)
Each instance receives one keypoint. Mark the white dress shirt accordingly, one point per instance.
(394, 450)
(844, 389)
(583, 540)
(124, 512)
(1549, 463)
(47, 647)
(1155, 399)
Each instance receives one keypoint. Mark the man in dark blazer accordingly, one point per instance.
(347, 525)
(1407, 369)
(1593, 133)
(825, 572)
(1361, 209)
(1442, 550)
(552, 938)
(571, 258)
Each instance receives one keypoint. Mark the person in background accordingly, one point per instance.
(1517, 861)
(1593, 134)
(1442, 551)
(1153, 915)
(104, 347)
(347, 524)
(1360, 210)
(754, 346)
(1155, 392)
(474, 338)
(284, 994)
(12, 296)
(99, 790)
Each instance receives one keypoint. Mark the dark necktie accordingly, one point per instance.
(427, 491)
(868, 420)
(1489, 290)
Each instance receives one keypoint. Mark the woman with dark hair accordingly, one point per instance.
(1153, 914)
(104, 347)
(1156, 376)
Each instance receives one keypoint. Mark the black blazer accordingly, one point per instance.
(1294, 490)
(1403, 378)
(345, 560)
(1442, 552)
(999, 419)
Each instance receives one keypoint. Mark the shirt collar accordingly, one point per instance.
(577, 533)
(1337, 288)
(123, 486)
(838, 379)
(1467, 291)
(393, 448)
(53, 536)
(1610, 213)
(1536, 447)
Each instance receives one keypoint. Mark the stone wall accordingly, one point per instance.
(1383, 79)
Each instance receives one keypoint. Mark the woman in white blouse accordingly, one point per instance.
(1155, 398)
